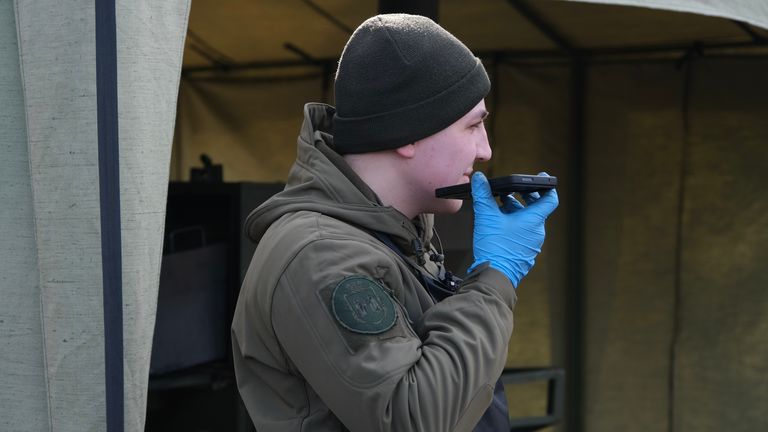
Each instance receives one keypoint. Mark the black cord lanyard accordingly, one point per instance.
(438, 289)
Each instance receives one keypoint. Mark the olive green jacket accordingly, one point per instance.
(333, 330)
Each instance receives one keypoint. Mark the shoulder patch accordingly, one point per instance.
(361, 305)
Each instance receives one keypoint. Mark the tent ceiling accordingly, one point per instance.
(247, 31)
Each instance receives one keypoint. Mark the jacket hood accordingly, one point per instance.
(321, 181)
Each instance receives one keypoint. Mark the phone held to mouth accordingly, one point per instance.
(500, 186)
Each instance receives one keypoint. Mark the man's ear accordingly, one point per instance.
(407, 151)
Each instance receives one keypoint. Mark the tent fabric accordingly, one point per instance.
(150, 39)
(675, 247)
(634, 150)
(752, 11)
(54, 318)
(22, 381)
(722, 362)
(245, 32)
(59, 99)
(250, 126)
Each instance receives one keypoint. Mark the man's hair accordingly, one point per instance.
(402, 78)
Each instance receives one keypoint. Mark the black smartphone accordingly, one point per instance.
(501, 186)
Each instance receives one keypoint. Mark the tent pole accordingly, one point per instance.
(573, 327)
(325, 14)
(602, 55)
(545, 27)
(756, 37)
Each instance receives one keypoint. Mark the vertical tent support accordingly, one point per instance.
(573, 327)
(574, 295)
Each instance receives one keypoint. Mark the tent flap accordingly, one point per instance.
(23, 395)
(754, 12)
(52, 311)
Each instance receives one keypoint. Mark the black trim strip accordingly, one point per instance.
(109, 194)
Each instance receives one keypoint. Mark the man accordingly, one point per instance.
(346, 319)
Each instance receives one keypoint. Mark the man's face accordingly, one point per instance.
(447, 158)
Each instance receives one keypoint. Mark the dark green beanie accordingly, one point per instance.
(402, 78)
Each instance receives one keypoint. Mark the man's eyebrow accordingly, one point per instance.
(477, 116)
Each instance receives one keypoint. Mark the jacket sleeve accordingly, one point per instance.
(436, 374)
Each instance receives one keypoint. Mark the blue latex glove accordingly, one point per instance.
(509, 237)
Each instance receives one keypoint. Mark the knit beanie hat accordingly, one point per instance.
(402, 78)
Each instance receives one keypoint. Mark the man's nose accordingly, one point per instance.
(484, 149)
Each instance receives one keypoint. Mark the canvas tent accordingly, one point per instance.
(650, 291)
(61, 220)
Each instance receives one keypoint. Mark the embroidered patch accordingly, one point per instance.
(362, 306)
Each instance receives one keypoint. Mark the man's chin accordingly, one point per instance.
(448, 206)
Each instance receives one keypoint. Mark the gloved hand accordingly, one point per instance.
(509, 237)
